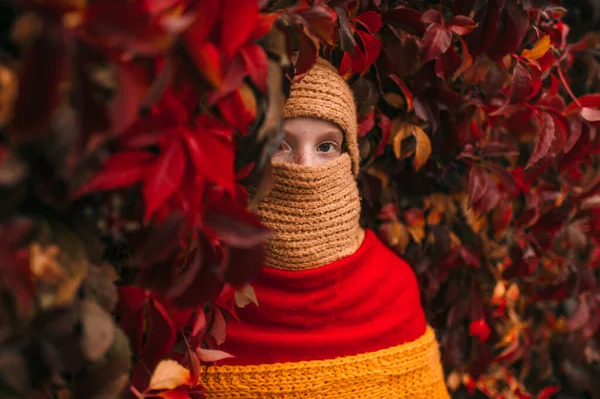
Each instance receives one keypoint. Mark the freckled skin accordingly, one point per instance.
(310, 142)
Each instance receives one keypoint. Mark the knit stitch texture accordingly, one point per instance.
(315, 213)
(408, 371)
(322, 93)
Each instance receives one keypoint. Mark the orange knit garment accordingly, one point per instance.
(314, 212)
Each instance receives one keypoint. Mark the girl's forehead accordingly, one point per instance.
(308, 125)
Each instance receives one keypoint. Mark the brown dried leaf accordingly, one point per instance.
(98, 330)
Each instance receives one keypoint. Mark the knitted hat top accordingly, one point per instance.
(322, 93)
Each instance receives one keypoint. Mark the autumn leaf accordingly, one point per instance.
(423, 144)
(461, 25)
(168, 374)
(245, 296)
(477, 184)
(521, 85)
(123, 169)
(544, 138)
(207, 59)
(212, 355)
(321, 21)
(371, 20)
(238, 26)
(162, 179)
(589, 114)
(480, 329)
(437, 40)
(423, 150)
(539, 49)
(406, 18)
(408, 96)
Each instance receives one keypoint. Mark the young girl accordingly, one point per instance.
(339, 314)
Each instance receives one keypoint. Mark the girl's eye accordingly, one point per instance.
(283, 146)
(326, 147)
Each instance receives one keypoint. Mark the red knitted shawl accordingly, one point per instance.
(362, 303)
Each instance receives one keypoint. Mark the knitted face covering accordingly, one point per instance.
(314, 212)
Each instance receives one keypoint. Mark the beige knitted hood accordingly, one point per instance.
(315, 210)
(322, 93)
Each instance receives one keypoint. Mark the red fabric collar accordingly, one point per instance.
(362, 303)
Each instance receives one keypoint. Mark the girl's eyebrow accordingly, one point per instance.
(333, 133)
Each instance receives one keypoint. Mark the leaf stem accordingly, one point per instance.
(567, 87)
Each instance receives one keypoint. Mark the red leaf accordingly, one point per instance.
(371, 20)
(364, 56)
(461, 25)
(234, 225)
(575, 129)
(174, 394)
(190, 269)
(256, 62)
(407, 19)
(123, 109)
(480, 329)
(161, 335)
(308, 52)
(131, 309)
(239, 108)
(366, 124)
(237, 24)
(212, 157)
(547, 392)
(589, 114)
(212, 355)
(561, 133)
(125, 26)
(554, 85)
(321, 21)
(386, 129)
(263, 25)
(218, 329)
(477, 184)
(199, 323)
(437, 40)
(588, 100)
(431, 17)
(544, 138)
(123, 169)
(244, 265)
(372, 47)
(535, 89)
(163, 177)
(513, 26)
(521, 85)
(207, 59)
(207, 14)
(480, 39)
(235, 73)
(491, 197)
(580, 148)
(448, 63)
(408, 96)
